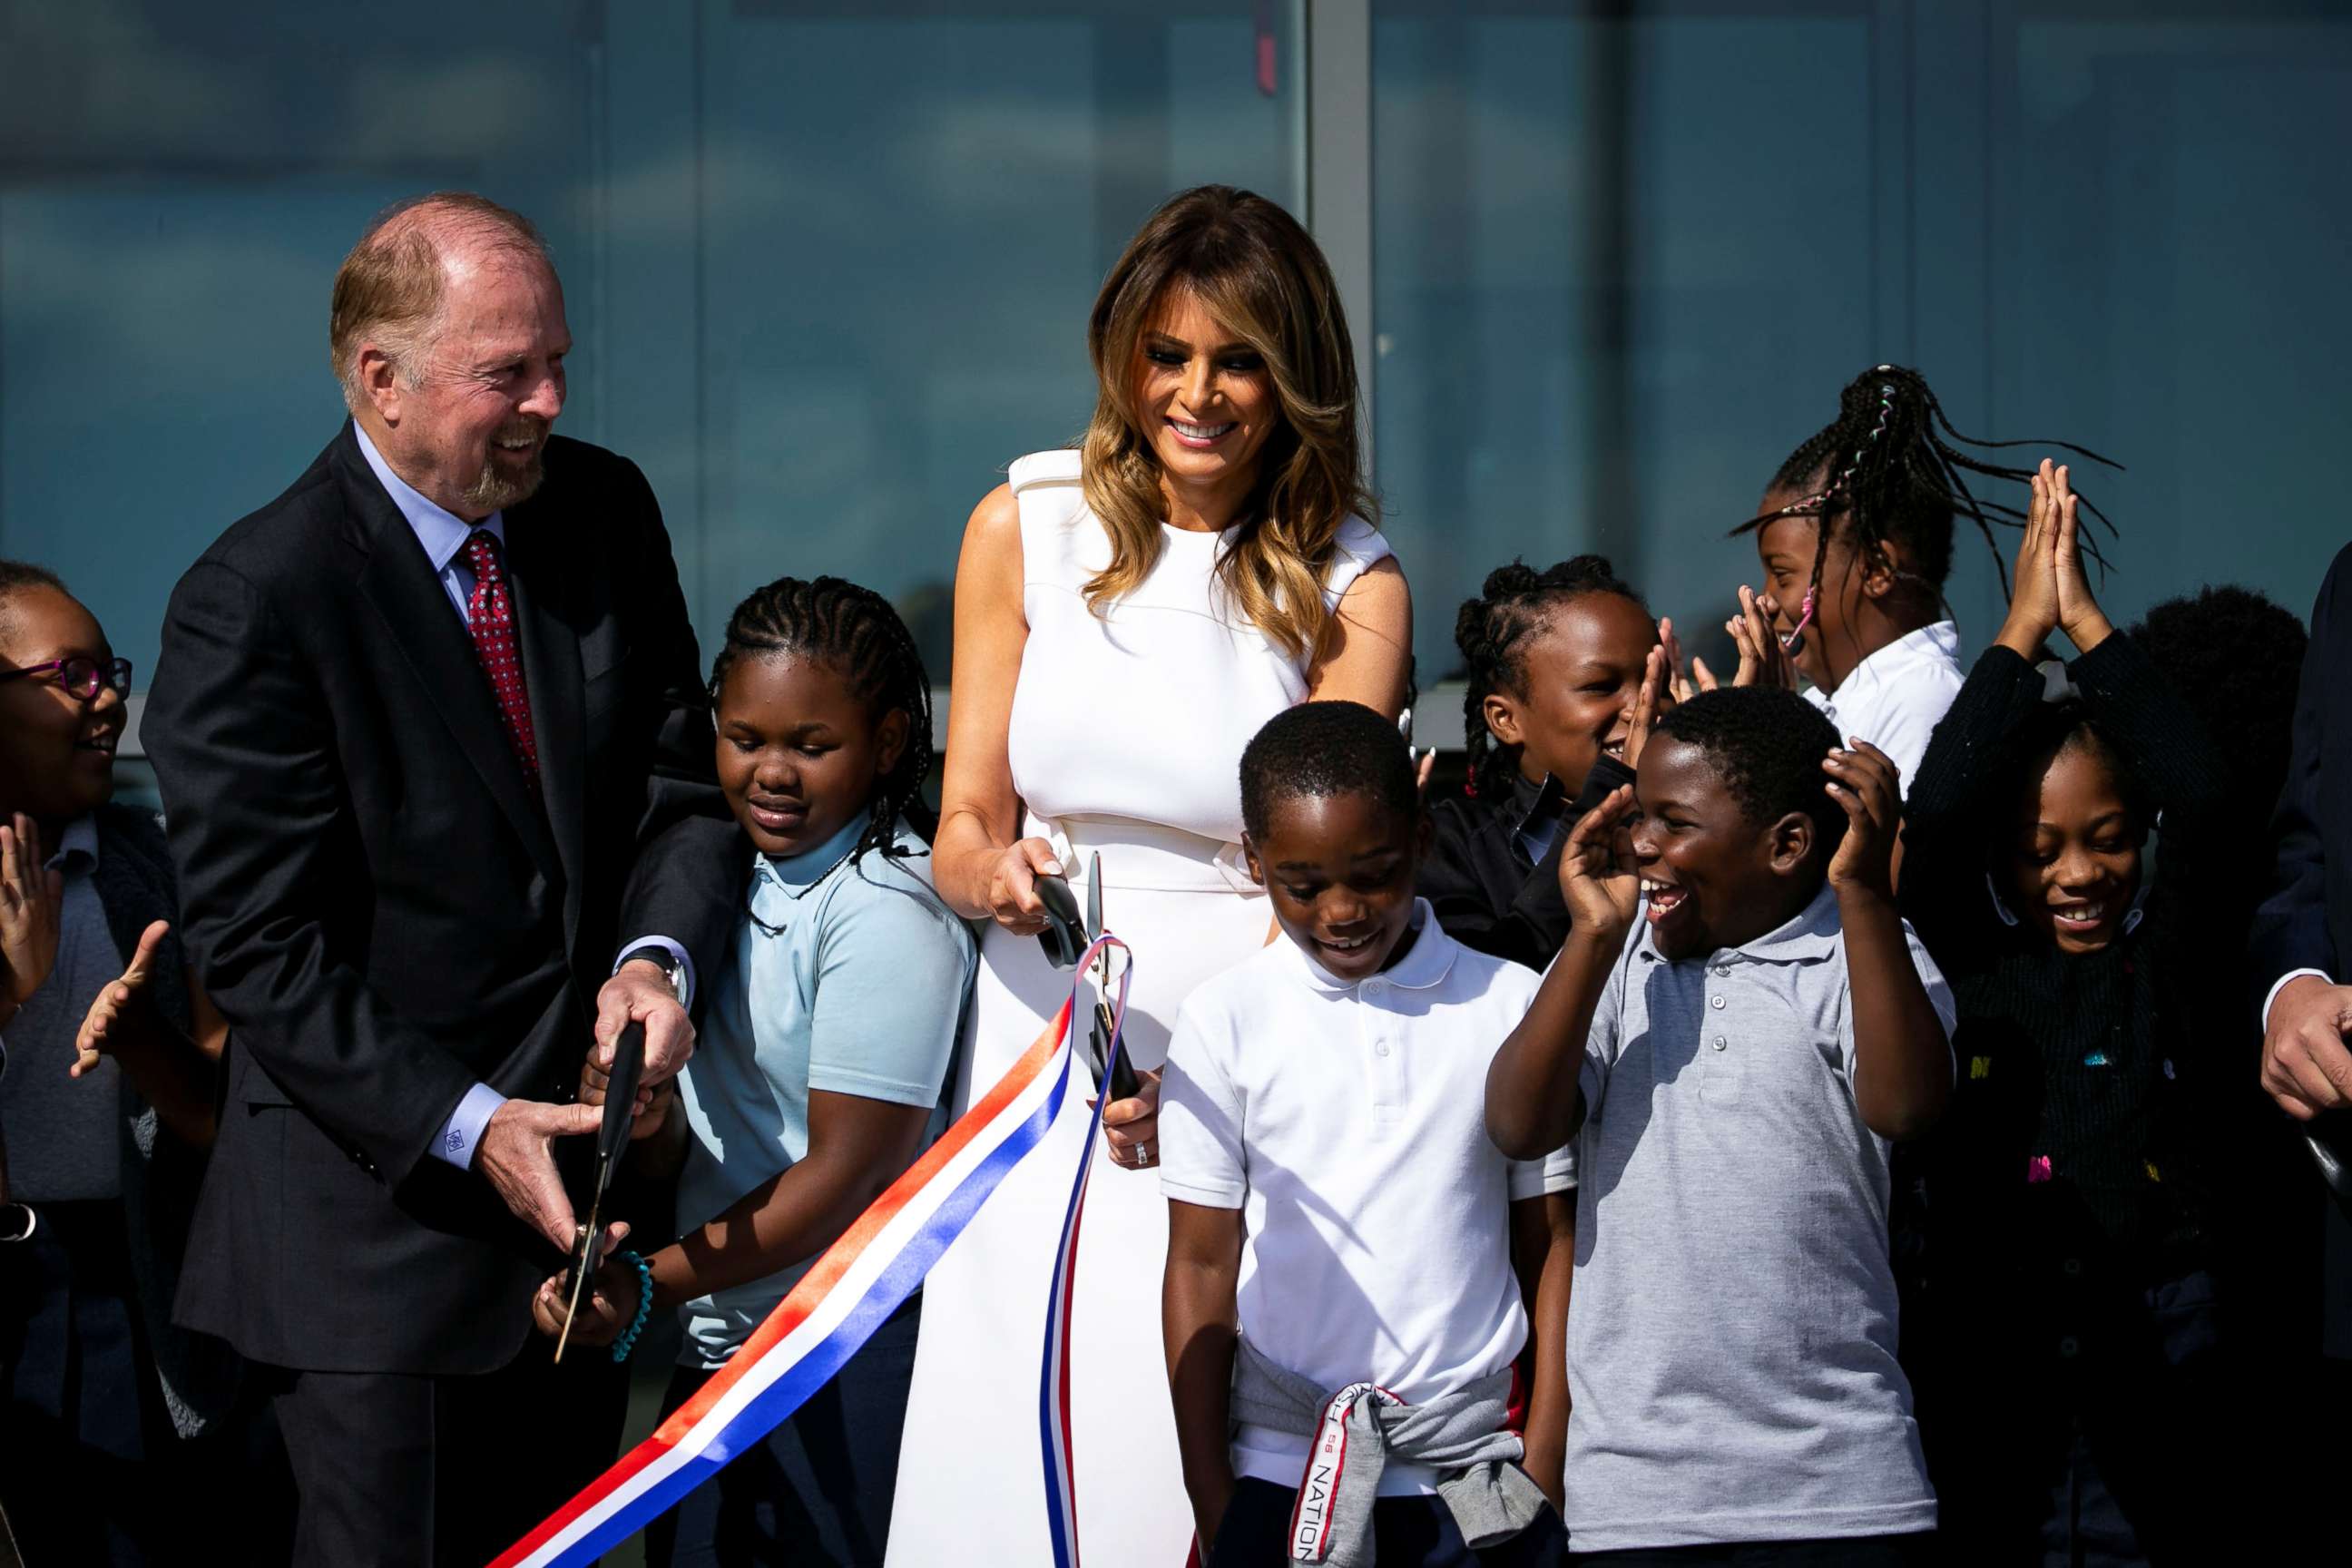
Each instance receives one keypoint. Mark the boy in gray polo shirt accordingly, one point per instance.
(1737, 1069)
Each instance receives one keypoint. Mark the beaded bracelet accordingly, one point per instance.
(628, 1340)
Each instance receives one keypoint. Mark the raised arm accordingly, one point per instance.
(32, 901)
(1903, 1053)
(1535, 1102)
(1946, 803)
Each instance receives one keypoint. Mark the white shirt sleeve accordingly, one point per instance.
(683, 960)
(462, 1133)
(1200, 1156)
(2271, 999)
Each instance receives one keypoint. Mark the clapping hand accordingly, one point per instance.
(1762, 660)
(1596, 870)
(32, 901)
(1863, 781)
(2049, 590)
(111, 1016)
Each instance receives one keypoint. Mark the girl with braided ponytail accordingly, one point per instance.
(1855, 538)
(823, 1058)
(1555, 661)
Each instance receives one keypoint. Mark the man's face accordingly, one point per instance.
(490, 384)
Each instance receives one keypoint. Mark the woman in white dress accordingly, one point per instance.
(1126, 616)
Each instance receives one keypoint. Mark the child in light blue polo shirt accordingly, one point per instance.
(817, 1076)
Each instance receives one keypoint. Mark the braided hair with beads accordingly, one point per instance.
(1492, 631)
(1889, 468)
(853, 630)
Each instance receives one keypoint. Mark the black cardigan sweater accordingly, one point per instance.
(1488, 895)
(2078, 1148)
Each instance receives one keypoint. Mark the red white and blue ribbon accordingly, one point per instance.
(1054, 1380)
(845, 1295)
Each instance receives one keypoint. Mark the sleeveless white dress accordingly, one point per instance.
(1125, 738)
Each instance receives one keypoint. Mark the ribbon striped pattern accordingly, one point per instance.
(1054, 1378)
(845, 1295)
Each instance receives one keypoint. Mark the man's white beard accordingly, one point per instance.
(495, 492)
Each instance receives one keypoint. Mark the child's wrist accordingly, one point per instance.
(1871, 894)
(2088, 630)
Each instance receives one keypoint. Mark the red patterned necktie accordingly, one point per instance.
(490, 615)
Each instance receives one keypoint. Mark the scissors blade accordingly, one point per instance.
(582, 1267)
(1094, 895)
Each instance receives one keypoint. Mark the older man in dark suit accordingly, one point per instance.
(432, 746)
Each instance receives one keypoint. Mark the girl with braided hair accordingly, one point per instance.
(1855, 538)
(822, 1063)
(1555, 661)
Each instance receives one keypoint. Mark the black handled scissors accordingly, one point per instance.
(1066, 939)
(1123, 1083)
(612, 1138)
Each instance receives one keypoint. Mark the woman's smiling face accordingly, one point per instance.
(1206, 398)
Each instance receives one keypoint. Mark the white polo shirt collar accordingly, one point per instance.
(1427, 964)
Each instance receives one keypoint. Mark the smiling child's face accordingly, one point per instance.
(1340, 870)
(1581, 669)
(2074, 856)
(1714, 877)
(799, 754)
(56, 750)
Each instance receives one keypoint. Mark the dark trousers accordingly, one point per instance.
(398, 1470)
(2128, 1445)
(1843, 1552)
(91, 1469)
(1407, 1532)
(815, 1493)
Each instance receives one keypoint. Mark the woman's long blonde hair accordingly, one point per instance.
(1266, 282)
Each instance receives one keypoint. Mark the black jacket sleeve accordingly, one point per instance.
(1944, 815)
(2291, 929)
(2175, 761)
(244, 749)
(688, 865)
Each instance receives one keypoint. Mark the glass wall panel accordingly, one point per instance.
(828, 265)
(1624, 262)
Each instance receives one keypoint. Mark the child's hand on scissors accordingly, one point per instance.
(653, 1105)
(607, 1307)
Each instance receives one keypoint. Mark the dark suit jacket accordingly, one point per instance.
(383, 912)
(2306, 922)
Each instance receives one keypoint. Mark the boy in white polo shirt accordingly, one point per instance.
(1343, 1318)
(1737, 1070)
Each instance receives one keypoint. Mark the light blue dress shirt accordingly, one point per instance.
(846, 977)
(443, 533)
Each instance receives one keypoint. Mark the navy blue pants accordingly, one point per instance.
(816, 1492)
(1407, 1532)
